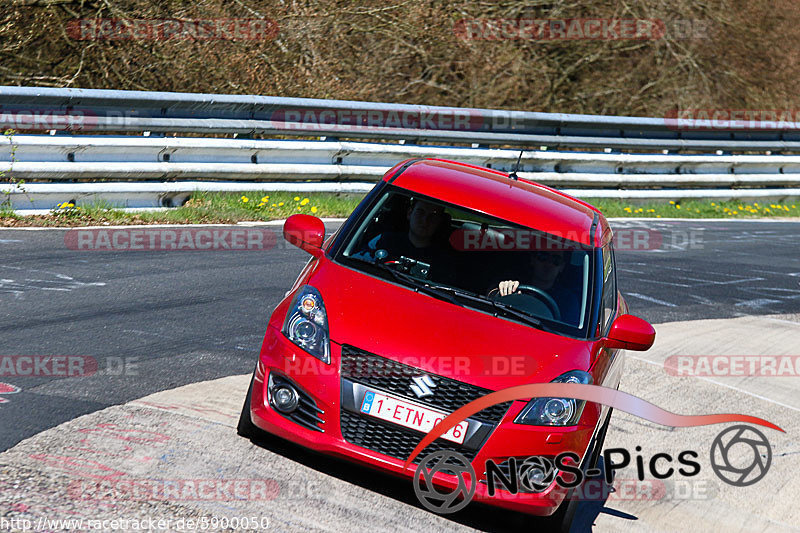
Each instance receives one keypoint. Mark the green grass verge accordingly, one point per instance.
(696, 209)
(235, 207)
(221, 208)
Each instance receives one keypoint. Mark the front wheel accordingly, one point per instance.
(561, 520)
(246, 428)
(597, 451)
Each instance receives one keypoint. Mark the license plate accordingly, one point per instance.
(410, 415)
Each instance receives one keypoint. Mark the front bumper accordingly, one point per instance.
(324, 385)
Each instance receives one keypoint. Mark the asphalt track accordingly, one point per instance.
(155, 321)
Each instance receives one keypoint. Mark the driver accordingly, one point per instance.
(422, 241)
(545, 269)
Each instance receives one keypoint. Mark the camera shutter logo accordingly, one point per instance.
(422, 385)
(447, 462)
(536, 474)
(6, 388)
(730, 446)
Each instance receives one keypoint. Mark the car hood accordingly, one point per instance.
(439, 337)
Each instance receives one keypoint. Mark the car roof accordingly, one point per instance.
(492, 192)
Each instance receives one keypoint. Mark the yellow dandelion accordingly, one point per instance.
(628, 209)
(299, 208)
(677, 207)
(658, 216)
(713, 204)
(735, 212)
(305, 201)
(265, 199)
(280, 204)
(651, 210)
(313, 209)
(245, 199)
(296, 198)
(741, 208)
(672, 202)
(766, 210)
(274, 205)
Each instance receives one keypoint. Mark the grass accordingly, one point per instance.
(228, 208)
(219, 208)
(697, 209)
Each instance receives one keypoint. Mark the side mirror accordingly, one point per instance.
(630, 332)
(306, 232)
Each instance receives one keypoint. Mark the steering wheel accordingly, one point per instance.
(537, 292)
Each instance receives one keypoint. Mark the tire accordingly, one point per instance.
(561, 519)
(597, 451)
(246, 428)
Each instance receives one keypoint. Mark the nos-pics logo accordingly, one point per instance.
(740, 455)
(536, 474)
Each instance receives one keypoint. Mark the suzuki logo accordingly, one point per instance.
(422, 386)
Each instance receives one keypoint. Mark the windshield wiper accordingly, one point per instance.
(522, 315)
(517, 313)
(417, 284)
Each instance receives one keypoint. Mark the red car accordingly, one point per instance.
(447, 282)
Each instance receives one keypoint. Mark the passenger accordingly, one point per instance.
(423, 241)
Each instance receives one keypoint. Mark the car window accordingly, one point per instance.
(445, 245)
(609, 288)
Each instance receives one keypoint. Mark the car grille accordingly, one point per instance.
(392, 376)
(392, 440)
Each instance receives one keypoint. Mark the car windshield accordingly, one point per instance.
(474, 260)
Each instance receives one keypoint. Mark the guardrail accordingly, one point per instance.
(137, 111)
(158, 170)
(166, 170)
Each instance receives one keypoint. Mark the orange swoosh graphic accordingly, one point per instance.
(621, 401)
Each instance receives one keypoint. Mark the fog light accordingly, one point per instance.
(284, 398)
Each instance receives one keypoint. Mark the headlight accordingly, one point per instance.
(306, 323)
(556, 411)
